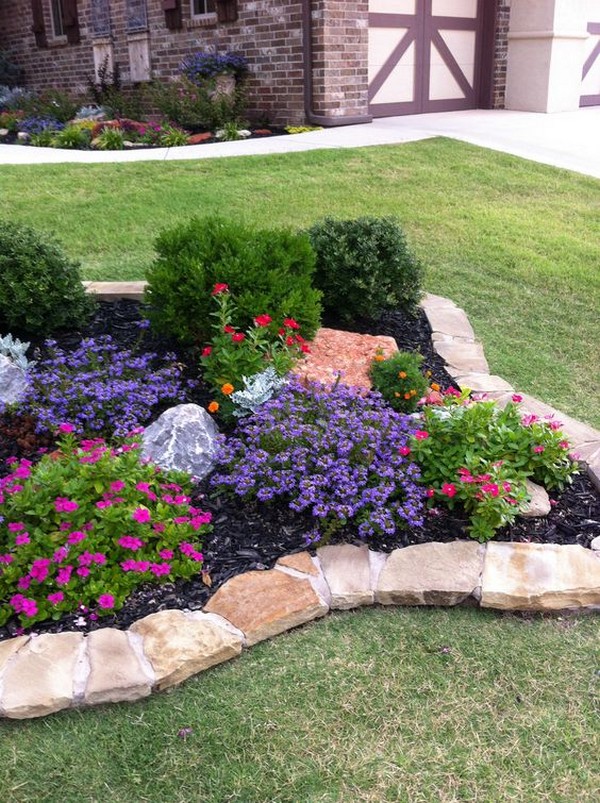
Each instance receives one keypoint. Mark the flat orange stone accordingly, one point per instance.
(300, 561)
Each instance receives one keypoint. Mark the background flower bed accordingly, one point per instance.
(251, 536)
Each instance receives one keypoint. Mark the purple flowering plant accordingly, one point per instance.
(332, 453)
(87, 524)
(99, 387)
(201, 66)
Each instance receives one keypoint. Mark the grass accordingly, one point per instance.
(372, 705)
(515, 243)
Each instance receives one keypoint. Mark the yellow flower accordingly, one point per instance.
(227, 389)
(402, 375)
(213, 407)
(396, 394)
(413, 392)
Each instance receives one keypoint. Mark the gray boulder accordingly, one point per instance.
(13, 381)
(183, 438)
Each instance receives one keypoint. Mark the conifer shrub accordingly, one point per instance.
(364, 267)
(40, 287)
(269, 271)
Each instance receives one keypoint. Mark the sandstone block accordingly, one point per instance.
(348, 574)
(539, 502)
(300, 561)
(8, 649)
(483, 383)
(595, 545)
(116, 672)
(262, 604)
(593, 471)
(430, 300)
(178, 645)
(449, 321)
(39, 680)
(431, 574)
(464, 357)
(540, 577)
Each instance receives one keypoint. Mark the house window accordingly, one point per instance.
(200, 8)
(56, 12)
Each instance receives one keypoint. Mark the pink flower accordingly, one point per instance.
(290, 323)
(83, 571)
(404, 451)
(539, 449)
(76, 536)
(141, 515)
(64, 575)
(181, 519)
(517, 398)
(99, 558)
(166, 554)
(106, 601)
(104, 503)
(64, 505)
(219, 288)
(490, 488)
(117, 486)
(529, 419)
(263, 320)
(85, 559)
(23, 583)
(237, 337)
(448, 489)
(197, 521)
(563, 444)
(60, 554)
(159, 527)
(421, 435)
(16, 527)
(554, 425)
(129, 542)
(39, 569)
(430, 493)
(160, 569)
(7, 558)
(65, 428)
(206, 351)
(55, 598)
(22, 538)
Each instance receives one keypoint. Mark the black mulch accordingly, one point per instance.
(249, 536)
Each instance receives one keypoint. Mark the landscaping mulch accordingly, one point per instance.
(251, 536)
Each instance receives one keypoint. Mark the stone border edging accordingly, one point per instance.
(42, 674)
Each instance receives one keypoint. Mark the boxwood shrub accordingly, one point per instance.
(269, 271)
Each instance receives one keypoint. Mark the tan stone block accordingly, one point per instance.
(40, 679)
(8, 648)
(300, 561)
(431, 574)
(449, 321)
(540, 577)
(111, 291)
(466, 357)
(588, 452)
(430, 301)
(116, 672)
(483, 383)
(439, 337)
(348, 574)
(538, 504)
(179, 646)
(262, 604)
(593, 472)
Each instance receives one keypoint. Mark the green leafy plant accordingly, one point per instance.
(10, 121)
(476, 454)
(231, 132)
(110, 139)
(266, 270)
(172, 137)
(86, 525)
(73, 137)
(43, 139)
(233, 356)
(51, 103)
(41, 290)
(399, 380)
(364, 267)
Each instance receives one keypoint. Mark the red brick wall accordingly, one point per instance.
(500, 54)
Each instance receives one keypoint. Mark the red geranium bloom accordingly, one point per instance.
(206, 351)
(220, 288)
(421, 435)
(263, 320)
(229, 329)
(237, 337)
(291, 323)
(304, 348)
(448, 489)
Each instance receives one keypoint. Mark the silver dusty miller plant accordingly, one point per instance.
(257, 390)
(15, 350)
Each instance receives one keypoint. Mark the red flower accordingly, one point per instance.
(304, 348)
(448, 489)
(206, 351)
(237, 337)
(263, 320)
(291, 323)
(430, 493)
(219, 288)
(289, 341)
(404, 450)
(299, 338)
(421, 435)
(229, 329)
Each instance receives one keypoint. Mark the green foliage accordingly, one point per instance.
(110, 139)
(10, 121)
(41, 290)
(480, 455)
(399, 380)
(269, 271)
(171, 137)
(43, 139)
(69, 523)
(195, 106)
(51, 103)
(73, 137)
(364, 266)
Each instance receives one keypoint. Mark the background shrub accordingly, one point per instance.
(399, 380)
(364, 266)
(268, 271)
(40, 287)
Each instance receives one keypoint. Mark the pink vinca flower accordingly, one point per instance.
(141, 515)
(106, 601)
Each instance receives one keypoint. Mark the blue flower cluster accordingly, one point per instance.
(334, 453)
(37, 125)
(200, 66)
(99, 388)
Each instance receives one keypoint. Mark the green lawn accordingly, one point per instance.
(515, 243)
(407, 705)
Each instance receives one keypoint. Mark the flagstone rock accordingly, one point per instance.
(262, 604)
(348, 574)
(13, 381)
(179, 645)
(116, 672)
(538, 504)
(430, 301)
(595, 545)
(8, 649)
(540, 577)
(183, 438)
(300, 561)
(593, 472)
(482, 383)
(333, 351)
(463, 357)
(39, 679)
(431, 574)
(449, 321)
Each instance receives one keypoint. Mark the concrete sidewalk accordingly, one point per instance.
(569, 140)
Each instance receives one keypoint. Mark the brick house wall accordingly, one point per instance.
(268, 32)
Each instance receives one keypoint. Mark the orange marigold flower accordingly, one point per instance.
(227, 389)
(413, 392)
(213, 407)
(435, 386)
(379, 358)
(396, 394)
(402, 375)
(407, 396)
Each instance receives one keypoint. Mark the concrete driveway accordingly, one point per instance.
(570, 140)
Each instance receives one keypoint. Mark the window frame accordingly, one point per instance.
(211, 11)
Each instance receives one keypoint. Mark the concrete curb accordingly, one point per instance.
(40, 675)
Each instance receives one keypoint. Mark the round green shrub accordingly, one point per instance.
(269, 271)
(399, 380)
(40, 287)
(364, 267)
